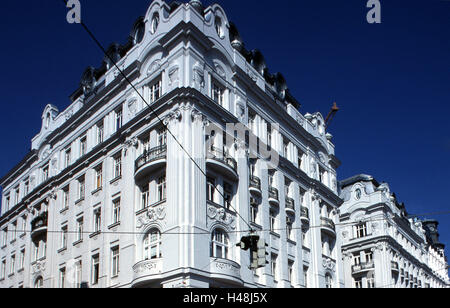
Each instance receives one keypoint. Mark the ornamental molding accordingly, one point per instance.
(173, 116)
(151, 216)
(329, 264)
(38, 267)
(131, 142)
(200, 117)
(155, 66)
(221, 216)
(199, 77)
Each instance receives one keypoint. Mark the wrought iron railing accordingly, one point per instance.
(304, 212)
(273, 193)
(222, 156)
(328, 223)
(151, 155)
(290, 203)
(255, 182)
(363, 267)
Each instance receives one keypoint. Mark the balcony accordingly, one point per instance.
(39, 226)
(274, 198)
(226, 271)
(304, 215)
(221, 161)
(147, 272)
(395, 268)
(290, 206)
(150, 161)
(328, 226)
(363, 267)
(255, 186)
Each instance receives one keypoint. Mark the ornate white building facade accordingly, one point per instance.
(381, 246)
(107, 197)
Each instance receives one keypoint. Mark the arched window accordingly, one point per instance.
(152, 245)
(39, 283)
(328, 281)
(219, 245)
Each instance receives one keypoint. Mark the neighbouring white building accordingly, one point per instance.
(381, 246)
(108, 198)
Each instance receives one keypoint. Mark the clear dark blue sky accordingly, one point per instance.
(391, 81)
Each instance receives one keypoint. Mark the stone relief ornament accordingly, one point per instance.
(69, 114)
(199, 77)
(198, 116)
(174, 76)
(222, 216)
(251, 75)
(329, 264)
(39, 267)
(152, 215)
(156, 65)
(220, 71)
(132, 106)
(173, 116)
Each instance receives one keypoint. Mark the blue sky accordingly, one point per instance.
(391, 81)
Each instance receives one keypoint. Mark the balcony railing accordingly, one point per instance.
(223, 157)
(273, 193)
(328, 223)
(290, 205)
(394, 266)
(363, 267)
(304, 212)
(39, 225)
(151, 156)
(255, 183)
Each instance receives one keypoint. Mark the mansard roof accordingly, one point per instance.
(359, 178)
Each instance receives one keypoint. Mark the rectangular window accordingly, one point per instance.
(306, 276)
(26, 188)
(62, 278)
(155, 91)
(162, 137)
(3, 270)
(117, 172)
(97, 220)
(357, 259)
(145, 197)
(218, 94)
(358, 283)
(228, 195)
(291, 271)
(80, 223)
(17, 195)
(12, 268)
(45, 173)
(95, 269)
(98, 178)
(300, 158)
(116, 211)
(273, 267)
(67, 158)
(371, 283)
(289, 226)
(13, 231)
(210, 189)
(286, 150)
(81, 188)
(273, 220)
(119, 119)
(115, 261)
(162, 187)
(22, 259)
(65, 201)
(269, 135)
(100, 132)
(83, 146)
(369, 256)
(361, 230)
(254, 212)
(4, 237)
(64, 233)
(78, 274)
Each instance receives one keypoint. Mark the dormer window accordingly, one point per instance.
(218, 94)
(155, 23)
(47, 120)
(155, 90)
(219, 27)
(45, 173)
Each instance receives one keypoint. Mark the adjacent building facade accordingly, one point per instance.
(153, 185)
(381, 246)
